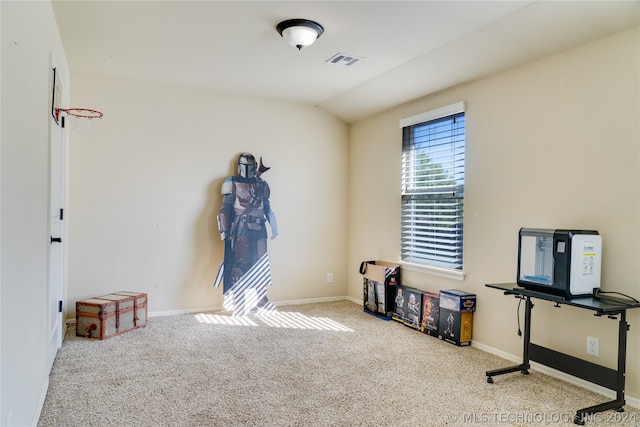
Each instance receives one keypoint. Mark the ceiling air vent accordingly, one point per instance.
(344, 60)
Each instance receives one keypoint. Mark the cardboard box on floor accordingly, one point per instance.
(408, 306)
(456, 316)
(430, 313)
(379, 282)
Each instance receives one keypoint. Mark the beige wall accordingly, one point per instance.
(554, 144)
(144, 192)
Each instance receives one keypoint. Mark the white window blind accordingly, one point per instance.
(433, 148)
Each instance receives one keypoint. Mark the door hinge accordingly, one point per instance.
(60, 306)
(61, 214)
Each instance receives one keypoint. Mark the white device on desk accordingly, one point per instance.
(561, 262)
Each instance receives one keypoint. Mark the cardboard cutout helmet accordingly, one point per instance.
(247, 165)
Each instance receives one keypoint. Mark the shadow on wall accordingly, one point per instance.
(207, 254)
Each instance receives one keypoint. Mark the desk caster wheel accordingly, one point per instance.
(577, 419)
(620, 409)
(489, 380)
(525, 372)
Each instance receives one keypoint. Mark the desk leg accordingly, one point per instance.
(524, 366)
(527, 336)
(618, 403)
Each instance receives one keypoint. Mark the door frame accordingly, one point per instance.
(57, 202)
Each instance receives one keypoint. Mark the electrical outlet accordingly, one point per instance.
(329, 277)
(593, 346)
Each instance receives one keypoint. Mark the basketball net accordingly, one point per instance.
(81, 119)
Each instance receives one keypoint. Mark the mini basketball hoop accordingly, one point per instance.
(81, 113)
(77, 118)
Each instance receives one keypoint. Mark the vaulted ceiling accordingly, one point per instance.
(410, 48)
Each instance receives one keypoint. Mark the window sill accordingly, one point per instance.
(434, 271)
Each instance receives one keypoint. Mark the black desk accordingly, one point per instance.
(612, 379)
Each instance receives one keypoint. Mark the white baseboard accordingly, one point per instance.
(43, 396)
(217, 309)
(610, 394)
(355, 300)
(277, 303)
(184, 311)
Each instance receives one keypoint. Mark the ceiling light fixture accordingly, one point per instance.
(300, 32)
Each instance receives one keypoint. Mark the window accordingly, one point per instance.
(433, 146)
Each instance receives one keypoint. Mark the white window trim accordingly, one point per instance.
(433, 271)
(448, 110)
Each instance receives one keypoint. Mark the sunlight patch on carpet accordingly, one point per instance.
(218, 319)
(300, 321)
(289, 320)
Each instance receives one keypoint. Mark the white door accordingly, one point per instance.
(57, 165)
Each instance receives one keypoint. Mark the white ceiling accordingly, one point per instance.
(411, 48)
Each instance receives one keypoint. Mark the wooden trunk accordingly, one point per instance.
(110, 315)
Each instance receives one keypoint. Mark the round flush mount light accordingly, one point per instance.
(300, 32)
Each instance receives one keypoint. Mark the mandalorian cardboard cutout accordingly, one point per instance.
(242, 220)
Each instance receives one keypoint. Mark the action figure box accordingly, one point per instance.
(456, 316)
(109, 315)
(455, 326)
(407, 308)
(379, 283)
(430, 313)
(453, 299)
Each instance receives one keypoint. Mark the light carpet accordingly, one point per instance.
(322, 364)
